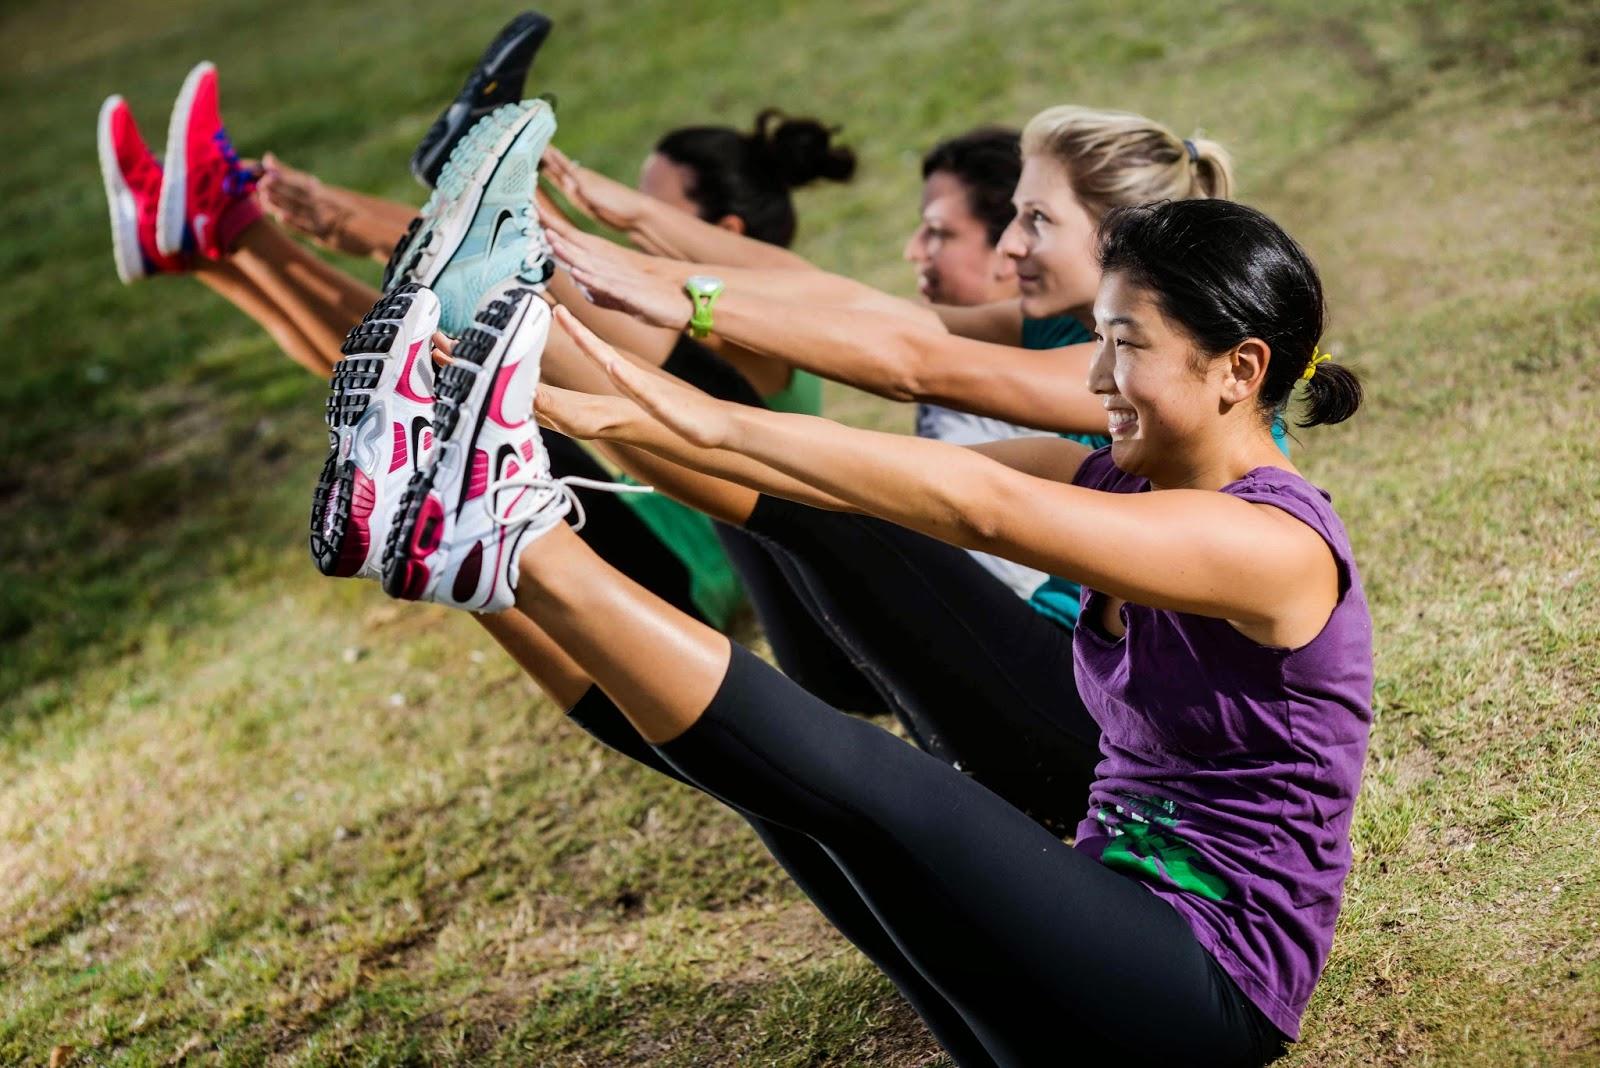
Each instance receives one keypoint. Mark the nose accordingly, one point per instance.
(916, 246)
(1102, 369)
(1011, 241)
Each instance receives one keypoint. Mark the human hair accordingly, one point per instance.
(749, 174)
(987, 162)
(1224, 272)
(1115, 158)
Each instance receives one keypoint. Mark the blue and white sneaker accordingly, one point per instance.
(480, 227)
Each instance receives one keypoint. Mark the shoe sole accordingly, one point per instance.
(427, 161)
(124, 223)
(419, 526)
(473, 187)
(346, 497)
(172, 210)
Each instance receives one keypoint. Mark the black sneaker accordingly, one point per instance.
(496, 80)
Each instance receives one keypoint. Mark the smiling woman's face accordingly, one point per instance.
(1052, 242)
(1158, 400)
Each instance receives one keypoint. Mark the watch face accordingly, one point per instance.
(703, 283)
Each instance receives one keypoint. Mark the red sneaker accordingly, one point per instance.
(133, 186)
(205, 190)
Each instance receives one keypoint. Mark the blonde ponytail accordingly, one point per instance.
(1116, 159)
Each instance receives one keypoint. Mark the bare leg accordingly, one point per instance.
(537, 654)
(234, 286)
(661, 667)
(322, 302)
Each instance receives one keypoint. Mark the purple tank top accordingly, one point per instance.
(1228, 769)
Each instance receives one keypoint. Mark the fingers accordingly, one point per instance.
(444, 347)
(587, 340)
(583, 415)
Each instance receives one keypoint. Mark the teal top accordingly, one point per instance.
(1057, 598)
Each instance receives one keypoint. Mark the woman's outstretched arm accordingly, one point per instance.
(890, 355)
(657, 227)
(799, 281)
(1187, 550)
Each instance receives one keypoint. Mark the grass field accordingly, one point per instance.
(228, 835)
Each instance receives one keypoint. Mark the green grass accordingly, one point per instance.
(226, 837)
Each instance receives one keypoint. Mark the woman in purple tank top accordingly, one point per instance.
(1224, 654)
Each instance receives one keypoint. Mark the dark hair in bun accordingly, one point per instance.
(749, 174)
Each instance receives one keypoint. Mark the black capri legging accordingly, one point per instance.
(1014, 947)
(981, 680)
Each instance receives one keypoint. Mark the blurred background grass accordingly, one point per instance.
(229, 835)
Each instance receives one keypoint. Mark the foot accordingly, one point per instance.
(380, 411)
(480, 227)
(206, 192)
(463, 522)
(496, 80)
(133, 187)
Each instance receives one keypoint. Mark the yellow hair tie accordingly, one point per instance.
(1316, 358)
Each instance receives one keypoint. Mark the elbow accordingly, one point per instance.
(905, 373)
(978, 519)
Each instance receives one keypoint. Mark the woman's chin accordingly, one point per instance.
(1128, 455)
(1044, 304)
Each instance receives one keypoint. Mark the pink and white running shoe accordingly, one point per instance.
(206, 192)
(380, 431)
(132, 178)
(463, 522)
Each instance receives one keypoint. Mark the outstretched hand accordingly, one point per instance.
(697, 418)
(297, 199)
(602, 199)
(610, 279)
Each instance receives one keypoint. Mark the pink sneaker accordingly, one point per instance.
(462, 523)
(205, 191)
(133, 185)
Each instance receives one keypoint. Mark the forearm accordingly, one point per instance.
(906, 361)
(653, 454)
(701, 477)
(683, 236)
(652, 344)
(1000, 323)
(811, 285)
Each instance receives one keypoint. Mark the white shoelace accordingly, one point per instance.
(560, 487)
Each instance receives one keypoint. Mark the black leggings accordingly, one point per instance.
(1015, 948)
(980, 679)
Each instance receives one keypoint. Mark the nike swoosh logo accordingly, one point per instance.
(499, 222)
(201, 222)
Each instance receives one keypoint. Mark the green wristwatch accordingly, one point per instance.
(703, 290)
